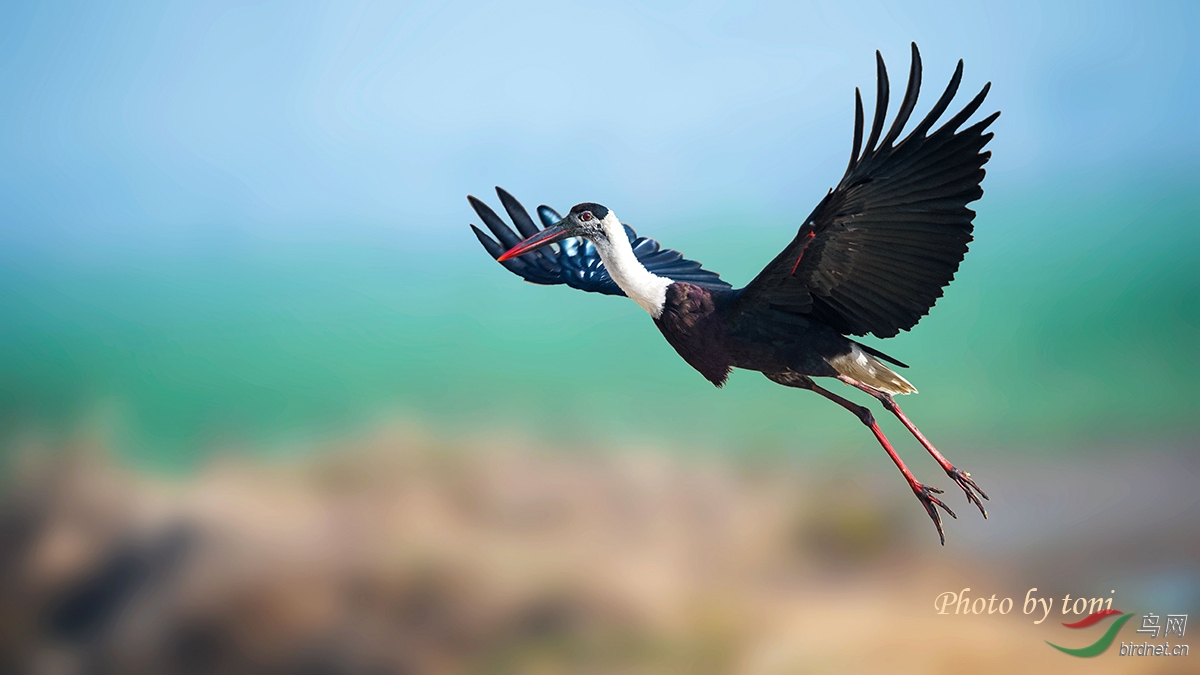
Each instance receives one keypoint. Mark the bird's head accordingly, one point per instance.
(590, 221)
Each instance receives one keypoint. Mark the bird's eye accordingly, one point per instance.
(585, 216)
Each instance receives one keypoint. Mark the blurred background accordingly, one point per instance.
(267, 406)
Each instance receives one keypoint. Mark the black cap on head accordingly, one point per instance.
(597, 210)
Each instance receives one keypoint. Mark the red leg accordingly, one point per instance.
(962, 478)
(923, 492)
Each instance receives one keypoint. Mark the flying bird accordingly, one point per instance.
(872, 258)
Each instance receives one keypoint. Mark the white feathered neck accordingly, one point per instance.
(643, 286)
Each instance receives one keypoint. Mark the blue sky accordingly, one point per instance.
(133, 125)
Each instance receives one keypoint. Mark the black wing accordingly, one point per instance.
(877, 251)
(574, 261)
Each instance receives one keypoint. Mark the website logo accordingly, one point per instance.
(1105, 641)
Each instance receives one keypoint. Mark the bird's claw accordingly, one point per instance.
(964, 480)
(925, 494)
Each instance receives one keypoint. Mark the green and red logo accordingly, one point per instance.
(1106, 640)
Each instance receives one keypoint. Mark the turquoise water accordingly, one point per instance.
(241, 227)
(1073, 322)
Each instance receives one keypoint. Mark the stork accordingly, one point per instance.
(872, 258)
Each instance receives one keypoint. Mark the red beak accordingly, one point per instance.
(547, 236)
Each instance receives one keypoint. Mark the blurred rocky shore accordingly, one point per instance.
(402, 554)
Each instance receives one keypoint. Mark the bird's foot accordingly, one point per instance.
(926, 494)
(963, 478)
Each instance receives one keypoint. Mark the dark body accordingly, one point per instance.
(872, 258)
(696, 322)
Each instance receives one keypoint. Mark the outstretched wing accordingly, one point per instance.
(574, 261)
(877, 251)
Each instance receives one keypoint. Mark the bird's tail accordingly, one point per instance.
(857, 364)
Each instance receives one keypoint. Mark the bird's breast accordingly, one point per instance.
(691, 324)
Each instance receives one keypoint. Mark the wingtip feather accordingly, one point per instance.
(882, 89)
(494, 249)
(942, 103)
(909, 102)
(858, 130)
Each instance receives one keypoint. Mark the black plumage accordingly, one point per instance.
(576, 262)
(872, 258)
(875, 254)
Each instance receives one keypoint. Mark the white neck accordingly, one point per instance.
(645, 288)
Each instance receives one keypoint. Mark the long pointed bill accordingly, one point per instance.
(547, 236)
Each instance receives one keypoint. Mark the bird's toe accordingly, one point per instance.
(964, 481)
(931, 503)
